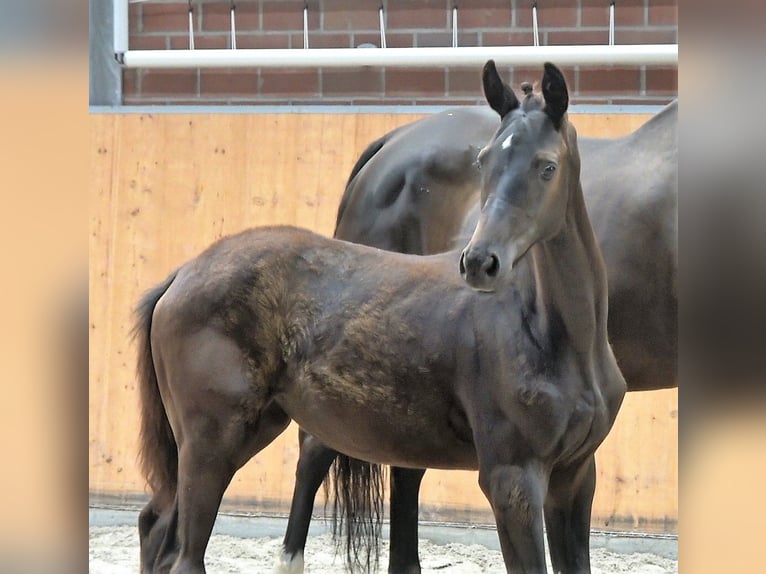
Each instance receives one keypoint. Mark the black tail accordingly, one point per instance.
(366, 156)
(158, 454)
(357, 489)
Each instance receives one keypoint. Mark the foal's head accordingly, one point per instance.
(526, 171)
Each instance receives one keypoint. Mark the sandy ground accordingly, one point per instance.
(114, 550)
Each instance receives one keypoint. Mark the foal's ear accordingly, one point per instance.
(499, 96)
(555, 94)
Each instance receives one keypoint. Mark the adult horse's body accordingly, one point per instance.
(394, 358)
(416, 190)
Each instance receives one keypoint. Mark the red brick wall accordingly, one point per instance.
(163, 24)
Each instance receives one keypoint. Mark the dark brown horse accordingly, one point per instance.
(417, 190)
(397, 359)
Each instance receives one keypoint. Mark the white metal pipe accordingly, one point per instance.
(454, 26)
(535, 32)
(624, 54)
(120, 26)
(611, 23)
(382, 27)
(233, 27)
(191, 27)
(305, 26)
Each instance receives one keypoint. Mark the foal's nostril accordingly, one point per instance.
(461, 264)
(494, 265)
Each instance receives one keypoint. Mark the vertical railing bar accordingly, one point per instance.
(305, 25)
(454, 26)
(611, 23)
(191, 26)
(233, 26)
(535, 32)
(382, 27)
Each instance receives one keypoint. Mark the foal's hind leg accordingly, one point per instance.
(405, 486)
(313, 464)
(567, 517)
(221, 416)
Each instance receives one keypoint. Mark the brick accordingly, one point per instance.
(201, 42)
(594, 13)
(444, 39)
(216, 16)
(507, 38)
(661, 81)
(366, 38)
(484, 14)
(550, 14)
(646, 36)
(147, 42)
(134, 17)
(324, 40)
(576, 37)
(462, 81)
(663, 13)
(288, 16)
(407, 15)
(350, 15)
(629, 13)
(129, 82)
(228, 82)
(612, 81)
(415, 82)
(274, 40)
(352, 81)
(165, 17)
(400, 39)
(290, 83)
(169, 82)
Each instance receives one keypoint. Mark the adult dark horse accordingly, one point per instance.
(396, 358)
(416, 190)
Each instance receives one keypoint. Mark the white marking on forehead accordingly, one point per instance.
(507, 142)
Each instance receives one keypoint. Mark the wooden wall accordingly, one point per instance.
(165, 186)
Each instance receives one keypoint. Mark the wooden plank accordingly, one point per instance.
(164, 187)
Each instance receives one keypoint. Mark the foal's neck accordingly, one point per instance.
(570, 278)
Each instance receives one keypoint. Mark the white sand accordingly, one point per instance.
(114, 550)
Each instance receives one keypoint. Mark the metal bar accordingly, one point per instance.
(305, 25)
(233, 27)
(611, 23)
(120, 27)
(382, 27)
(535, 32)
(191, 26)
(454, 26)
(624, 54)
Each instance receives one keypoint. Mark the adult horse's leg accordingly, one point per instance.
(314, 462)
(405, 486)
(567, 516)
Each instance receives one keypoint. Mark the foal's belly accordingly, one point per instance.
(381, 423)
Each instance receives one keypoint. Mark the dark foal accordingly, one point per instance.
(417, 190)
(503, 367)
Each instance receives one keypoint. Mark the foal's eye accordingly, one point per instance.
(548, 171)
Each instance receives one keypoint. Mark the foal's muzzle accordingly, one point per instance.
(479, 268)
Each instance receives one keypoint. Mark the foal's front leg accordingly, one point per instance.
(567, 516)
(516, 492)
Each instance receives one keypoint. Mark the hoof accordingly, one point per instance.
(289, 564)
